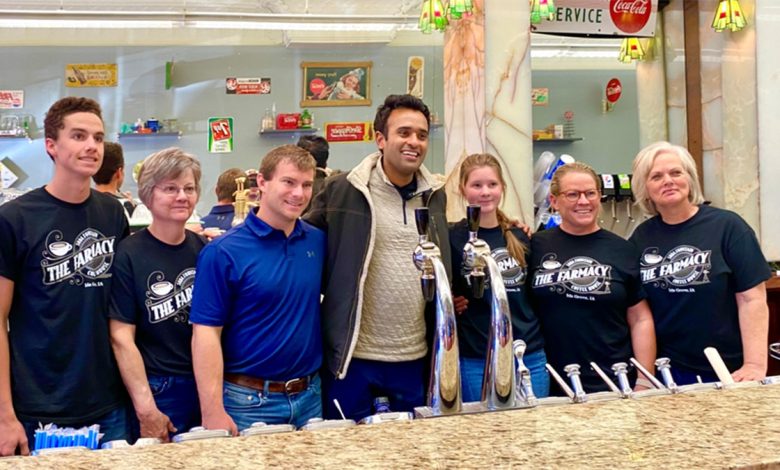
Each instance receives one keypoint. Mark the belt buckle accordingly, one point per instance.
(291, 383)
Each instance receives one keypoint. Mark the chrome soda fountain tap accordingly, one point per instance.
(664, 367)
(444, 392)
(498, 382)
(524, 392)
(607, 380)
(573, 372)
(620, 370)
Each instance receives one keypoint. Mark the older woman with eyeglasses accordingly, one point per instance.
(702, 268)
(154, 272)
(585, 286)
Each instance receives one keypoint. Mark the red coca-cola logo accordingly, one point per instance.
(630, 16)
(614, 89)
(316, 86)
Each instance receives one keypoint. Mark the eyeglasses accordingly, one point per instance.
(574, 196)
(173, 190)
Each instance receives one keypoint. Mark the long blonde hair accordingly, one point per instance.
(480, 160)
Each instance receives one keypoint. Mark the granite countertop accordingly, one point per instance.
(734, 428)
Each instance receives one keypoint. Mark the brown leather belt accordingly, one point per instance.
(289, 386)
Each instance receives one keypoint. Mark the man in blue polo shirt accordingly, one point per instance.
(255, 311)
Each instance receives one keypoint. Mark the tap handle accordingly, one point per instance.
(428, 284)
(422, 218)
(477, 284)
(472, 216)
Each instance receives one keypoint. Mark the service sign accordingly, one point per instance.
(349, 132)
(90, 75)
(220, 134)
(11, 99)
(613, 17)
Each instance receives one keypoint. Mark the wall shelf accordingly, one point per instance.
(555, 141)
(308, 130)
(136, 135)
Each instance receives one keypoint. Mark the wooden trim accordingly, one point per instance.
(693, 83)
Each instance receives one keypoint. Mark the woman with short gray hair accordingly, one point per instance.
(154, 273)
(702, 269)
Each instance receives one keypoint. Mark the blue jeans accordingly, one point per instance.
(114, 425)
(401, 382)
(248, 405)
(472, 370)
(177, 397)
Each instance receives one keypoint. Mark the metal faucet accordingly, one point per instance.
(498, 382)
(664, 367)
(573, 372)
(621, 372)
(444, 392)
(524, 392)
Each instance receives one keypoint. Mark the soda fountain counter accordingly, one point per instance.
(733, 428)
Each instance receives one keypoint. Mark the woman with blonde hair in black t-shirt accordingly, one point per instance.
(482, 182)
(585, 285)
(702, 268)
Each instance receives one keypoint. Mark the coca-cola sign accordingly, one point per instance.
(629, 16)
(602, 17)
(614, 89)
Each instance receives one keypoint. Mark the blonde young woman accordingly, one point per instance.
(702, 268)
(482, 182)
(585, 285)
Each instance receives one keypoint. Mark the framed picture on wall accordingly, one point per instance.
(336, 84)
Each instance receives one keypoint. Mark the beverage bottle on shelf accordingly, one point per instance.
(306, 119)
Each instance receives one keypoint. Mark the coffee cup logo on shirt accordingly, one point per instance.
(165, 299)
(682, 266)
(513, 274)
(580, 275)
(89, 257)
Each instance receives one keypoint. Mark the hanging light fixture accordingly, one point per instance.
(542, 9)
(459, 8)
(433, 16)
(631, 49)
(728, 16)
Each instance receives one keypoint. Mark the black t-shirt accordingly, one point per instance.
(152, 289)
(581, 288)
(474, 323)
(59, 256)
(692, 272)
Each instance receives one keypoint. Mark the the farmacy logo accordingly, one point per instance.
(579, 275)
(88, 258)
(682, 266)
(165, 299)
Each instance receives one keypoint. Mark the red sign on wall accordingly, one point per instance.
(349, 132)
(614, 89)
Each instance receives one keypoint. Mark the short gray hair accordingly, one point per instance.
(165, 165)
(643, 163)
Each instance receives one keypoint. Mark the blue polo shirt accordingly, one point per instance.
(221, 217)
(263, 288)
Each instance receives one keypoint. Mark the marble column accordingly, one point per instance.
(767, 26)
(487, 88)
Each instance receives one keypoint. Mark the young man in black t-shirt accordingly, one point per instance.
(55, 272)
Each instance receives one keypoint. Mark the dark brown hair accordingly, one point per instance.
(65, 107)
(113, 160)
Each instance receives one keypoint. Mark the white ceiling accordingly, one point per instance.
(278, 7)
